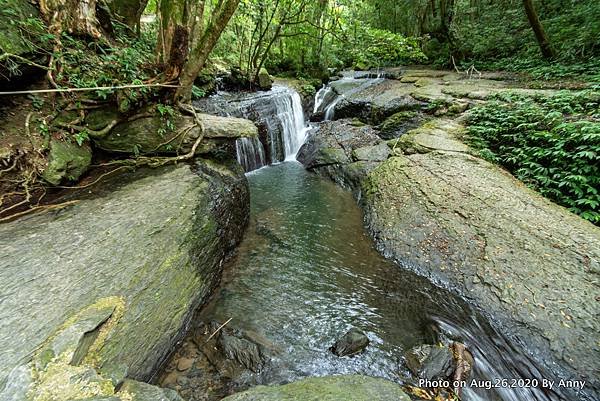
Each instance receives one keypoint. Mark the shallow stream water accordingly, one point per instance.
(306, 273)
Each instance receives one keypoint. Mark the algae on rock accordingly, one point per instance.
(327, 388)
(147, 239)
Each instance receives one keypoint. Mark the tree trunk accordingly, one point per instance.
(201, 48)
(538, 30)
(128, 12)
(77, 17)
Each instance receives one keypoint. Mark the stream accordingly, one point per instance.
(306, 273)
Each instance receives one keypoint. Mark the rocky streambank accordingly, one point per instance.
(328, 388)
(432, 205)
(95, 295)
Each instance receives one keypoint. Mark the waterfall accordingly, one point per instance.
(320, 97)
(250, 153)
(280, 115)
(294, 127)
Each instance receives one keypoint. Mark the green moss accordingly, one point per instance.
(397, 121)
(328, 388)
(66, 161)
(15, 15)
(384, 174)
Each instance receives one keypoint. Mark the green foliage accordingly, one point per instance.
(301, 39)
(95, 64)
(81, 137)
(197, 93)
(498, 36)
(552, 144)
(379, 48)
(167, 116)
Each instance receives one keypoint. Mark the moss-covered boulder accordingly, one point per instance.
(399, 123)
(66, 161)
(328, 388)
(373, 100)
(265, 82)
(173, 135)
(102, 290)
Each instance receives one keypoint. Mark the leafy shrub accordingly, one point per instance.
(93, 64)
(552, 144)
(379, 48)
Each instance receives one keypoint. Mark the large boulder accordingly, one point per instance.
(327, 388)
(434, 206)
(103, 289)
(265, 82)
(526, 261)
(344, 151)
(373, 100)
(151, 134)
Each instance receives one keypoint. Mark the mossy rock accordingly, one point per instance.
(94, 308)
(66, 161)
(397, 121)
(264, 79)
(149, 134)
(328, 388)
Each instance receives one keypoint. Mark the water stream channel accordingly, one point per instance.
(304, 275)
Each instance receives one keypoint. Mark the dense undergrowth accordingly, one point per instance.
(550, 143)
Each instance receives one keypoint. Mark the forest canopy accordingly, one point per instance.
(308, 36)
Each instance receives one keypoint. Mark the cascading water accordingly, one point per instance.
(294, 127)
(321, 96)
(279, 115)
(250, 153)
(324, 101)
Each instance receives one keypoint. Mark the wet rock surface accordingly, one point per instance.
(328, 388)
(434, 207)
(211, 353)
(103, 289)
(149, 135)
(351, 343)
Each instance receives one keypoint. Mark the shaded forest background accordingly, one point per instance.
(97, 65)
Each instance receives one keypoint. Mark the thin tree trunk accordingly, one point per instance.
(202, 48)
(540, 34)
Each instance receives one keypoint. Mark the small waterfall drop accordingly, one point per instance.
(327, 103)
(250, 153)
(321, 96)
(294, 127)
(280, 117)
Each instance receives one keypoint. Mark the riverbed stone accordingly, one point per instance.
(242, 351)
(327, 388)
(82, 284)
(439, 364)
(351, 343)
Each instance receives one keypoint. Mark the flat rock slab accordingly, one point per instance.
(110, 282)
(328, 388)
